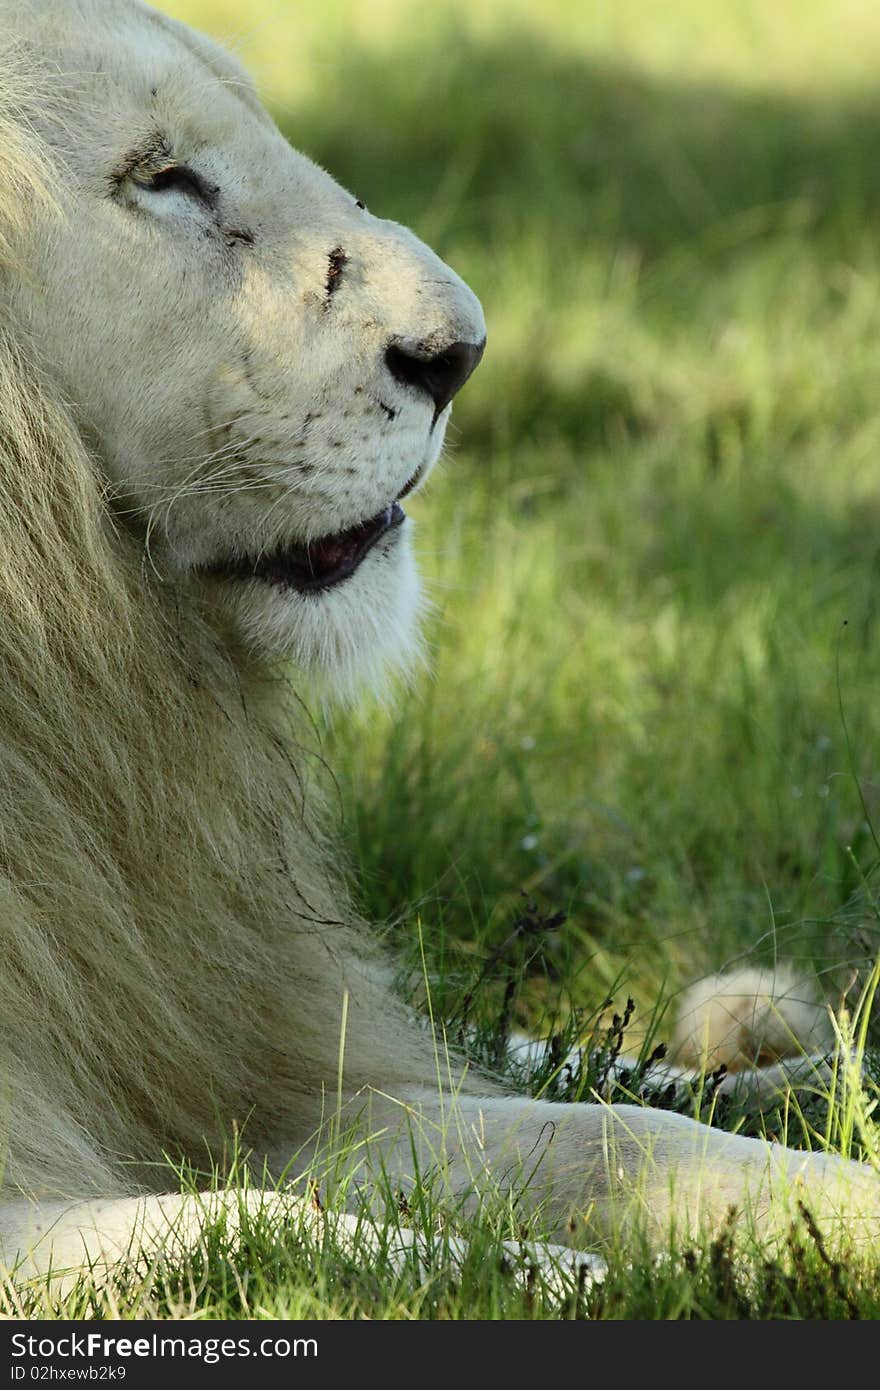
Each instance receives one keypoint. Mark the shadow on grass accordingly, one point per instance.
(517, 137)
(487, 146)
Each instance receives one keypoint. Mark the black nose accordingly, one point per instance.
(438, 374)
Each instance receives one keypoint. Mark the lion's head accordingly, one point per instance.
(262, 367)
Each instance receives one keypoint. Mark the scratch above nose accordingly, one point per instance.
(337, 261)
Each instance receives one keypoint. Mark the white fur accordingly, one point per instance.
(213, 380)
(750, 1017)
(235, 405)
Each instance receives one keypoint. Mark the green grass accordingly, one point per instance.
(654, 549)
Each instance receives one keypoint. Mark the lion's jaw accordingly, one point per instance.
(220, 313)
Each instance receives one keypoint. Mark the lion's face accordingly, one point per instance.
(263, 367)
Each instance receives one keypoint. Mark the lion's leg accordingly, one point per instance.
(65, 1238)
(602, 1170)
(59, 1242)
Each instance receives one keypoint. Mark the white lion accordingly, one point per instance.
(220, 374)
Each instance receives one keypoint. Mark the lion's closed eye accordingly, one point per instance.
(178, 178)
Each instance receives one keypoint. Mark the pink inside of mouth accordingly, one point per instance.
(318, 564)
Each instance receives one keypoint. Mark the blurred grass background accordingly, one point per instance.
(654, 549)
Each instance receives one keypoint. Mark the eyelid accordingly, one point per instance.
(181, 178)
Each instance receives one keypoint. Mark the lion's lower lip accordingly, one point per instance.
(319, 564)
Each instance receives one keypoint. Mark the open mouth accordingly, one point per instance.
(318, 564)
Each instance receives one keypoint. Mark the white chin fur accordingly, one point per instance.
(350, 639)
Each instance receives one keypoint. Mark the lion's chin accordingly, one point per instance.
(356, 636)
